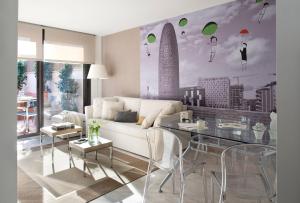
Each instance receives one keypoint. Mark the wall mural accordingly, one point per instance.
(220, 57)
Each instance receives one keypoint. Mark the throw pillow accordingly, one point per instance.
(97, 105)
(149, 120)
(159, 120)
(140, 121)
(169, 110)
(110, 109)
(126, 116)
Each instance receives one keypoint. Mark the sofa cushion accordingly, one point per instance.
(149, 106)
(126, 116)
(140, 120)
(149, 120)
(168, 110)
(97, 105)
(110, 109)
(178, 106)
(130, 103)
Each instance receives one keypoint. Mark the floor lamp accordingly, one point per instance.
(98, 72)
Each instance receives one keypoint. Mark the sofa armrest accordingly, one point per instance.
(174, 117)
(88, 112)
(170, 118)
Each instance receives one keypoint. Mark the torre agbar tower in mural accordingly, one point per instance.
(168, 69)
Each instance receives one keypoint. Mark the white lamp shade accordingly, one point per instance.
(97, 72)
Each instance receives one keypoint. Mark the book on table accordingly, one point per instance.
(62, 126)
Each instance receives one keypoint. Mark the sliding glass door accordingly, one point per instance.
(52, 79)
(27, 107)
(46, 89)
(63, 89)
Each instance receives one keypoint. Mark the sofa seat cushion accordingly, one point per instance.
(125, 128)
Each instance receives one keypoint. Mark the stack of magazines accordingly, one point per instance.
(62, 126)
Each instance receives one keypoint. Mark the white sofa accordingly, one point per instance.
(130, 136)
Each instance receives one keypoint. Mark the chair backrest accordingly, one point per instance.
(247, 160)
(165, 148)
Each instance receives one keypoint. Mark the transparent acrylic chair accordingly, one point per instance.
(165, 153)
(199, 150)
(248, 172)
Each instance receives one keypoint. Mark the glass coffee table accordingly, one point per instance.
(86, 147)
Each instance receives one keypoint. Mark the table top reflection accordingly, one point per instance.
(235, 131)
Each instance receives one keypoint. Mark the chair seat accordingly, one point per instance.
(250, 186)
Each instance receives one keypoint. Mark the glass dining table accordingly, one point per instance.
(220, 133)
(236, 131)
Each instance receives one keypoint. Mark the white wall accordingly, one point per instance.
(96, 85)
(288, 73)
(8, 91)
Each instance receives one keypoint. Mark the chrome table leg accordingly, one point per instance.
(111, 156)
(70, 157)
(41, 143)
(84, 164)
(53, 145)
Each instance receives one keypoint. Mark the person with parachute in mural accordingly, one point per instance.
(151, 38)
(208, 31)
(262, 11)
(244, 35)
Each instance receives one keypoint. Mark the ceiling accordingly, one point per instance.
(103, 17)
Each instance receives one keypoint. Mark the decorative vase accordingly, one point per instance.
(259, 130)
(93, 133)
(273, 126)
(93, 138)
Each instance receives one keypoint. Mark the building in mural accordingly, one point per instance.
(219, 57)
(168, 70)
(249, 104)
(216, 91)
(236, 95)
(266, 98)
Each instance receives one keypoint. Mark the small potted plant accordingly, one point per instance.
(94, 131)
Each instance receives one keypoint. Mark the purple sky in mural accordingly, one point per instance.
(194, 48)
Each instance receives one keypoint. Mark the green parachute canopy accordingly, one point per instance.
(183, 22)
(151, 38)
(210, 28)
